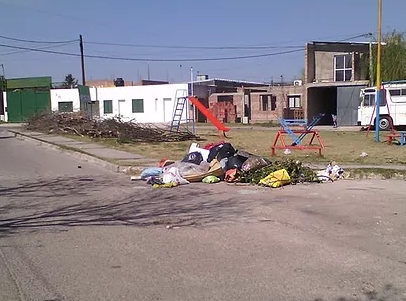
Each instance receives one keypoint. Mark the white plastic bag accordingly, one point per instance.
(194, 147)
(171, 175)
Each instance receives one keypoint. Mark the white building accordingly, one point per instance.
(144, 104)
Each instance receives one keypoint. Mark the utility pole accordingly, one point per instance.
(379, 93)
(149, 77)
(82, 57)
(371, 61)
(2, 68)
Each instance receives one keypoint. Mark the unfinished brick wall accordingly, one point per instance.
(264, 107)
(279, 96)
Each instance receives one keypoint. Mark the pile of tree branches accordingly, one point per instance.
(123, 131)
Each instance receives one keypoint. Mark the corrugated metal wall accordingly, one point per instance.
(347, 105)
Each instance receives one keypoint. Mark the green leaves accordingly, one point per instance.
(295, 169)
(393, 57)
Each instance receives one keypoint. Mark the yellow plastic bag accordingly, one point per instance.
(276, 179)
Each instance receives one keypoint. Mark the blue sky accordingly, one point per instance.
(280, 24)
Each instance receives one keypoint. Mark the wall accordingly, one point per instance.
(319, 61)
(257, 113)
(5, 116)
(62, 95)
(281, 93)
(309, 63)
(156, 109)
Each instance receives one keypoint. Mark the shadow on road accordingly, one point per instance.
(80, 201)
(388, 293)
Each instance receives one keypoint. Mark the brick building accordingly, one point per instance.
(335, 72)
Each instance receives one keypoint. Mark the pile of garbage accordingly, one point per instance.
(84, 125)
(222, 162)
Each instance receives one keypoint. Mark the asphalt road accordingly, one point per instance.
(69, 233)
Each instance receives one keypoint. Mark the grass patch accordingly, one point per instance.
(342, 147)
(382, 173)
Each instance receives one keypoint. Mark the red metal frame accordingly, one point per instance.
(280, 138)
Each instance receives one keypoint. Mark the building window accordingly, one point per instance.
(342, 68)
(265, 102)
(138, 106)
(108, 106)
(294, 102)
(65, 106)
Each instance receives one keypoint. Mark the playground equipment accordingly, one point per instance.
(182, 102)
(297, 135)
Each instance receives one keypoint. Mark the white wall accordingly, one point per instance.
(5, 116)
(62, 95)
(159, 101)
(155, 108)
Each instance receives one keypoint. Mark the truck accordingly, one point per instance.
(392, 109)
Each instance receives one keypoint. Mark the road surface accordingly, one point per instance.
(70, 233)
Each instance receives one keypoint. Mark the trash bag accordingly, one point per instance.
(193, 157)
(234, 163)
(211, 179)
(151, 172)
(276, 179)
(254, 163)
(172, 175)
(231, 175)
(221, 151)
(190, 169)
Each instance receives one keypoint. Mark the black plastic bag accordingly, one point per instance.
(254, 163)
(194, 157)
(234, 163)
(221, 151)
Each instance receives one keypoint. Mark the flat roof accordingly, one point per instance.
(343, 43)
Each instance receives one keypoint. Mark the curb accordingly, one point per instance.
(81, 155)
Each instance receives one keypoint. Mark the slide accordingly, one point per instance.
(206, 112)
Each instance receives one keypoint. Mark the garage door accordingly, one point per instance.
(22, 104)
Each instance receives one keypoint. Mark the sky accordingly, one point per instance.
(159, 32)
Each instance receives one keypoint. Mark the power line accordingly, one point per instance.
(36, 41)
(213, 47)
(39, 48)
(154, 59)
(194, 47)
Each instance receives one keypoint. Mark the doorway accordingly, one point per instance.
(168, 108)
(121, 110)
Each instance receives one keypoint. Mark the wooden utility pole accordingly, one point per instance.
(82, 57)
(371, 61)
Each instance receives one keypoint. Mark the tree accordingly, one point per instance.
(393, 62)
(70, 81)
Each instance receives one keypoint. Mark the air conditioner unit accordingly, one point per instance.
(297, 82)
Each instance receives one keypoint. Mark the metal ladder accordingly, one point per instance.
(181, 101)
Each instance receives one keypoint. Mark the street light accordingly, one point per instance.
(2, 68)
(379, 93)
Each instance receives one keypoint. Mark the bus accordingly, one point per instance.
(392, 109)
